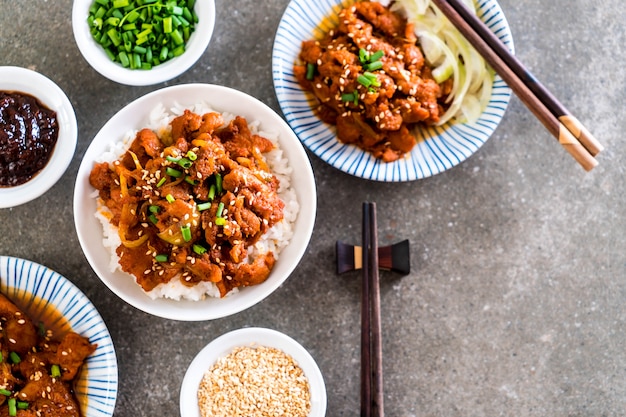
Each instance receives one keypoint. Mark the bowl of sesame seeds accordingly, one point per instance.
(253, 372)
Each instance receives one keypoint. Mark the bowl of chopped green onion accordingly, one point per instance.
(142, 42)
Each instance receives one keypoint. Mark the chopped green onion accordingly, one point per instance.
(191, 155)
(190, 180)
(218, 183)
(5, 392)
(119, 3)
(220, 221)
(173, 172)
(55, 371)
(347, 97)
(186, 232)
(153, 219)
(204, 206)
(22, 405)
(12, 403)
(363, 80)
(15, 358)
(363, 56)
(212, 192)
(310, 71)
(377, 56)
(199, 249)
(154, 209)
(161, 258)
(185, 163)
(161, 181)
(220, 209)
(172, 159)
(372, 78)
(170, 198)
(373, 66)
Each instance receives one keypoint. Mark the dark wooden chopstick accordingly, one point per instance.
(555, 106)
(372, 399)
(520, 85)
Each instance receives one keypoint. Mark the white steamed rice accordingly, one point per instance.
(274, 240)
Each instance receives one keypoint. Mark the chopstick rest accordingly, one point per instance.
(396, 257)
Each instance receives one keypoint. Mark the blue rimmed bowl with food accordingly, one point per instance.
(253, 372)
(57, 355)
(38, 134)
(142, 42)
(387, 91)
(194, 202)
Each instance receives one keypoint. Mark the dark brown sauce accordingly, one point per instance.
(28, 134)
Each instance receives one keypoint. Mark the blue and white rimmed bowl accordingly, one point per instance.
(37, 289)
(438, 148)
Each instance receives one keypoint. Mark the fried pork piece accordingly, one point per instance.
(31, 379)
(380, 116)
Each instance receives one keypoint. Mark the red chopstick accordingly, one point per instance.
(372, 399)
(572, 135)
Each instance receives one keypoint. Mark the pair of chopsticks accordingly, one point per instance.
(371, 331)
(571, 134)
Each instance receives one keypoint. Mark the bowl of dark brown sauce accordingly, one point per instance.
(38, 134)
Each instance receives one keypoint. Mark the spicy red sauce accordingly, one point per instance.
(28, 134)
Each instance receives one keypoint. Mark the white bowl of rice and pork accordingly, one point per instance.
(187, 205)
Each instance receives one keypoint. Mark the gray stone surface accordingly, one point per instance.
(514, 306)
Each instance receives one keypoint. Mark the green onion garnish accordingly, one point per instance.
(218, 183)
(154, 209)
(186, 232)
(170, 198)
(310, 71)
(363, 56)
(55, 371)
(204, 206)
(161, 181)
(220, 208)
(192, 155)
(12, 403)
(161, 258)
(373, 66)
(348, 97)
(153, 219)
(22, 405)
(190, 180)
(377, 56)
(212, 192)
(5, 392)
(15, 358)
(173, 172)
(172, 159)
(363, 80)
(220, 221)
(199, 249)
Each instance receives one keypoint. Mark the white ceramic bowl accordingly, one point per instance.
(438, 148)
(23, 80)
(97, 58)
(225, 344)
(37, 289)
(135, 116)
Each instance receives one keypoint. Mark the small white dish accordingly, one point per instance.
(438, 148)
(134, 117)
(22, 80)
(97, 58)
(252, 336)
(36, 289)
